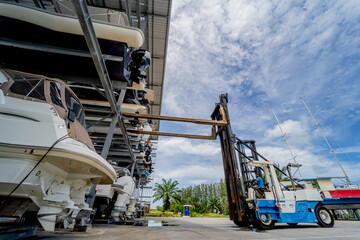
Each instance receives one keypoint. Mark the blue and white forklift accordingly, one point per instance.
(263, 206)
(249, 203)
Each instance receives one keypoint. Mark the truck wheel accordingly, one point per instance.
(264, 223)
(324, 217)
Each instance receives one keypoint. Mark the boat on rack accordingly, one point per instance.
(92, 98)
(53, 44)
(119, 202)
(46, 155)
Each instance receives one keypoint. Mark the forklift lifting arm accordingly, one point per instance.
(223, 122)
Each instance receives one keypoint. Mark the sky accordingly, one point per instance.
(264, 54)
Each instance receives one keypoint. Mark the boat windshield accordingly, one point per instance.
(28, 87)
(74, 107)
(55, 95)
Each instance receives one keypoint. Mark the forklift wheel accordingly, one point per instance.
(264, 224)
(242, 223)
(324, 217)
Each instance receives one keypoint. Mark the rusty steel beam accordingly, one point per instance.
(182, 135)
(222, 123)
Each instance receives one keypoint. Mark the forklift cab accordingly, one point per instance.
(284, 206)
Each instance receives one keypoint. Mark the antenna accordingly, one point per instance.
(287, 143)
(327, 142)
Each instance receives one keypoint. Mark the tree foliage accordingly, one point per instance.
(167, 191)
(204, 198)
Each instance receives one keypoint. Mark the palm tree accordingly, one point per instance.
(214, 203)
(167, 192)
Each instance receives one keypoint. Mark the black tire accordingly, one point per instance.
(264, 224)
(292, 224)
(242, 223)
(324, 217)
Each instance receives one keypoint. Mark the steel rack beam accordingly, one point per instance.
(194, 136)
(128, 10)
(84, 17)
(53, 49)
(83, 14)
(138, 13)
(106, 147)
(110, 134)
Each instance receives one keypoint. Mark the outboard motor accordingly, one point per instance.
(140, 61)
(121, 209)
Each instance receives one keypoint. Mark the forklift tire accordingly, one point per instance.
(324, 217)
(242, 223)
(264, 224)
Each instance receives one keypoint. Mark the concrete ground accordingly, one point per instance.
(210, 228)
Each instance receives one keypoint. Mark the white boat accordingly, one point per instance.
(45, 152)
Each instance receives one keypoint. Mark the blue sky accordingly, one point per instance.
(264, 54)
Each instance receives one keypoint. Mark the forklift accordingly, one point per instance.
(249, 203)
(262, 207)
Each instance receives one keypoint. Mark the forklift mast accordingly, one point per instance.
(235, 179)
(236, 170)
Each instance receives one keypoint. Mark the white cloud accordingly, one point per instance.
(193, 174)
(182, 146)
(353, 149)
(281, 49)
(296, 132)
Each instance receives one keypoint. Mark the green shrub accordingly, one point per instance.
(193, 214)
(159, 208)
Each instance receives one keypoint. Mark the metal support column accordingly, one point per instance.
(128, 10)
(109, 136)
(104, 153)
(254, 156)
(138, 13)
(242, 161)
(84, 17)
